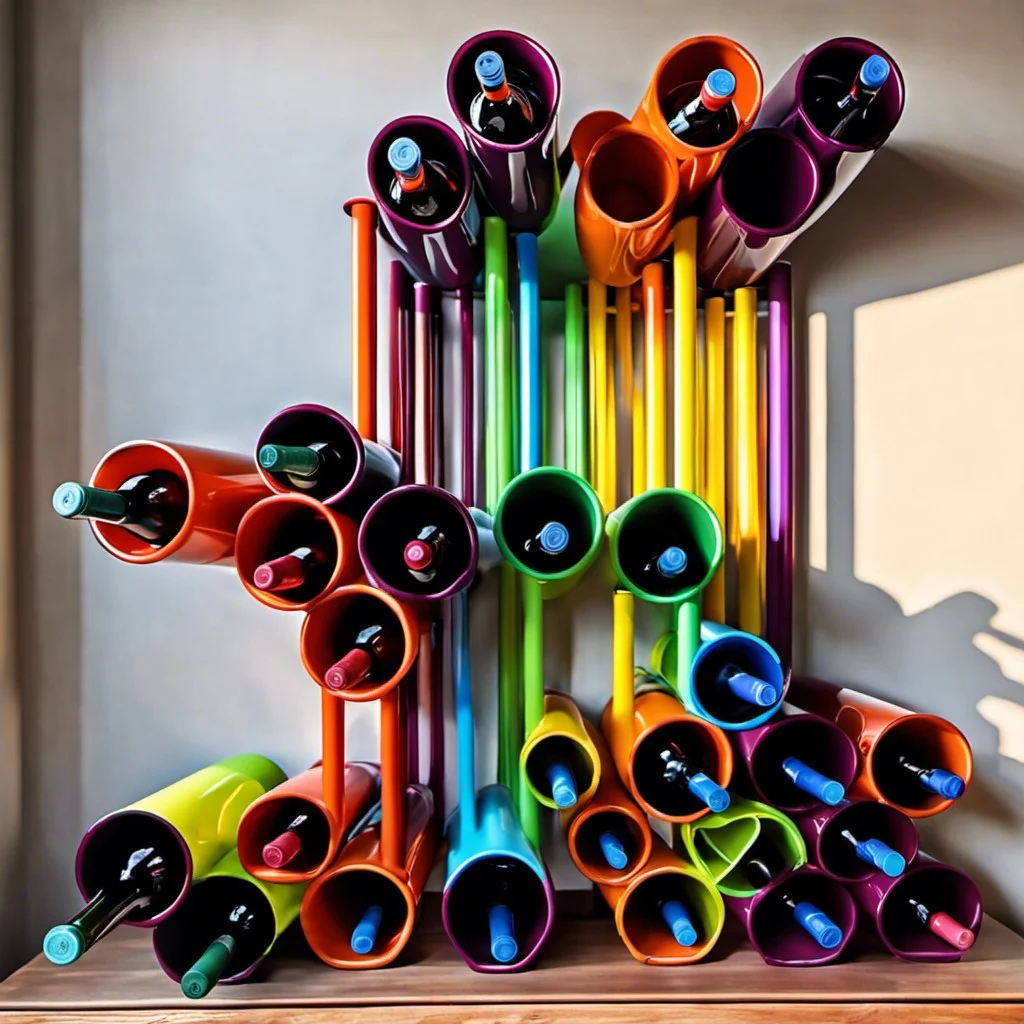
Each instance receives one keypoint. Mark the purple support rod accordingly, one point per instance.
(464, 308)
(399, 304)
(779, 554)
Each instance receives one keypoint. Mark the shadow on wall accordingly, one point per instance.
(911, 552)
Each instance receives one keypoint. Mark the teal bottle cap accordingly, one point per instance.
(69, 500)
(64, 944)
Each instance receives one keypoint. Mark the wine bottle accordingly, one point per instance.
(668, 565)
(308, 466)
(758, 872)
(821, 787)
(505, 109)
(423, 555)
(678, 768)
(613, 850)
(675, 915)
(280, 852)
(364, 935)
(707, 119)
(151, 505)
(501, 924)
(218, 955)
(134, 888)
(877, 854)
(945, 927)
(746, 687)
(563, 785)
(839, 109)
(825, 932)
(374, 649)
(937, 780)
(551, 539)
(423, 190)
(289, 572)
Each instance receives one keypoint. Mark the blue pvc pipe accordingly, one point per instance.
(531, 411)
(825, 932)
(464, 725)
(502, 926)
(679, 923)
(364, 935)
(613, 850)
(821, 787)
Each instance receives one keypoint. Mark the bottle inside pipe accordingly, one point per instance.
(501, 923)
(825, 932)
(563, 784)
(613, 850)
(878, 854)
(944, 926)
(679, 922)
(364, 935)
(680, 770)
(812, 782)
(747, 687)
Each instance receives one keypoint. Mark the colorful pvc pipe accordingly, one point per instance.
(883, 732)
(222, 487)
(885, 902)
(363, 877)
(575, 383)
(180, 941)
(559, 756)
(720, 844)
(655, 376)
(684, 352)
(858, 839)
(521, 182)
(195, 819)
(531, 397)
(282, 523)
(364, 315)
(303, 795)
(715, 405)
(637, 906)
(445, 254)
(762, 753)
(814, 931)
(365, 469)
(491, 862)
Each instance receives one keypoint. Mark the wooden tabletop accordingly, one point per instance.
(585, 975)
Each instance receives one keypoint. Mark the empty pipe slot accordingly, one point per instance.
(774, 846)
(644, 926)
(632, 179)
(865, 820)
(673, 800)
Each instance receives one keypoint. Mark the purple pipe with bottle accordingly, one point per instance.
(521, 181)
(447, 254)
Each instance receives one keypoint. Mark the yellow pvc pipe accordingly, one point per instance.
(714, 464)
(684, 351)
(700, 414)
(627, 388)
(654, 375)
(622, 663)
(745, 458)
(639, 429)
(611, 469)
(762, 470)
(598, 339)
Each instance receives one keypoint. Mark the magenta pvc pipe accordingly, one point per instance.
(464, 308)
(779, 547)
(399, 302)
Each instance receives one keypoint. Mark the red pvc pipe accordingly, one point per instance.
(364, 315)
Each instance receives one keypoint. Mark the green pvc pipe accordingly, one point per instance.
(510, 734)
(575, 384)
(687, 640)
(497, 465)
(533, 693)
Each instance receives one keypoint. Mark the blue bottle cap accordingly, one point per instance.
(945, 784)
(563, 785)
(613, 850)
(553, 538)
(818, 925)
(874, 71)
(404, 157)
(672, 561)
(751, 689)
(709, 792)
(891, 863)
(364, 935)
(490, 69)
(827, 790)
(504, 947)
(675, 916)
(721, 83)
(64, 944)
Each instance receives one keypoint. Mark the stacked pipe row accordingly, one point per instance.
(791, 801)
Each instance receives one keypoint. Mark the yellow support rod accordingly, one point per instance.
(655, 365)
(611, 469)
(684, 351)
(745, 459)
(624, 368)
(714, 465)
(639, 482)
(701, 414)
(622, 663)
(598, 324)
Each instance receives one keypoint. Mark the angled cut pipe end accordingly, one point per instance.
(276, 526)
(331, 627)
(560, 738)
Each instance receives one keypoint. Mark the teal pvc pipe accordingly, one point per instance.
(531, 402)
(464, 724)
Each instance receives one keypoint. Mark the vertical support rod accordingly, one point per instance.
(684, 302)
(364, 315)
(714, 357)
(533, 693)
(392, 790)
(575, 383)
(656, 420)
(597, 336)
(531, 408)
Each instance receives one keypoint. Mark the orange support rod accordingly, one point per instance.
(393, 774)
(364, 315)
(655, 368)
(332, 726)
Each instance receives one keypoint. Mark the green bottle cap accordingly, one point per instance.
(296, 461)
(207, 970)
(64, 944)
(73, 500)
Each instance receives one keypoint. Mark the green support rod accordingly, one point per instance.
(497, 467)
(688, 639)
(510, 712)
(533, 692)
(575, 384)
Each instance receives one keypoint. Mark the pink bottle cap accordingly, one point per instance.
(285, 573)
(418, 555)
(951, 931)
(283, 850)
(353, 668)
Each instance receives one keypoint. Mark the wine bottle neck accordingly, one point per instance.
(78, 501)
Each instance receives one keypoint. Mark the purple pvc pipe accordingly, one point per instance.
(399, 303)
(773, 932)
(768, 186)
(785, 106)
(520, 182)
(822, 829)
(815, 740)
(779, 548)
(883, 902)
(447, 254)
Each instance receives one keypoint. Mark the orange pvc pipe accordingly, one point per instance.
(222, 487)
(304, 794)
(610, 808)
(394, 772)
(363, 212)
(362, 877)
(332, 747)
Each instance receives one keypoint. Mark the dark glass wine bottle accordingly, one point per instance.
(843, 111)
(943, 925)
(423, 555)
(936, 780)
(876, 853)
(374, 651)
(681, 770)
(422, 190)
(708, 118)
(812, 782)
(151, 505)
(825, 932)
(307, 467)
(506, 108)
(231, 945)
(138, 882)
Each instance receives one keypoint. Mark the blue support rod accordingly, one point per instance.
(464, 709)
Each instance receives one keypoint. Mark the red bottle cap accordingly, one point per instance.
(418, 555)
(951, 931)
(283, 850)
(348, 671)
(284, 573)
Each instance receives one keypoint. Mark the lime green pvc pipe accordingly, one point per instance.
(533, 692)
(510, 712)
(497, 463)
(575, 384)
